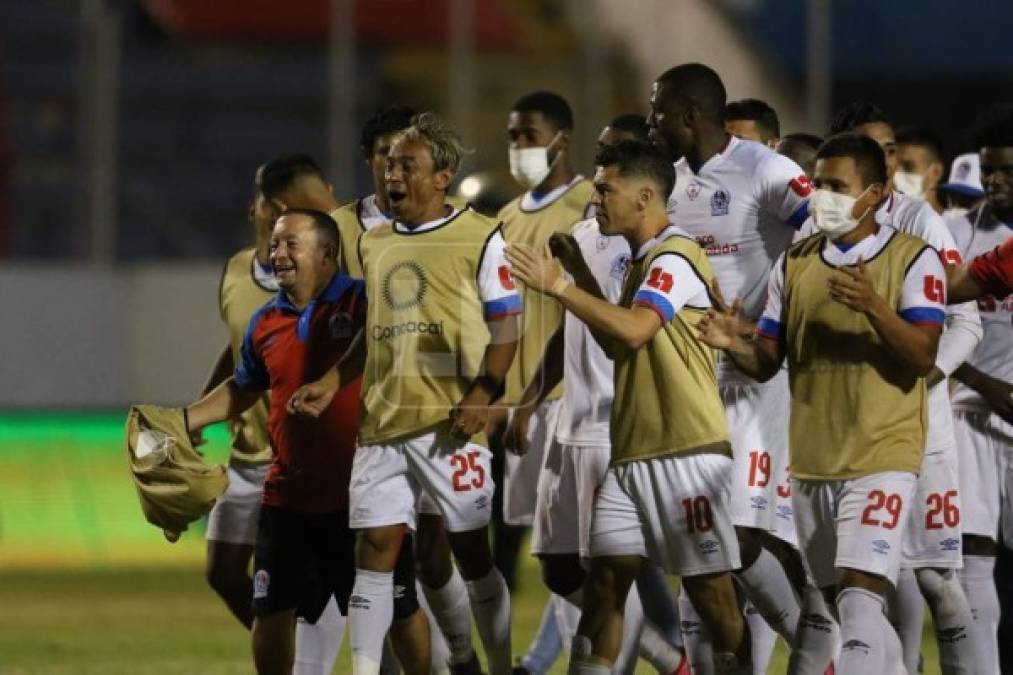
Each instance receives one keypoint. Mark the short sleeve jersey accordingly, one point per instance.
(587, 372)
(977, 233)
(283, 349)
(742, 206)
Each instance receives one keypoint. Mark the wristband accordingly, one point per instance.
(489, 385)
(559, 287)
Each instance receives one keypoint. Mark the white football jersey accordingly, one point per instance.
(977, 232)
(587, 372)
(742, 207)
(915, 217)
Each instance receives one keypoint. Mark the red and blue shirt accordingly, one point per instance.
(283, 349)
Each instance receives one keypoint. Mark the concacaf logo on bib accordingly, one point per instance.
(405, 285)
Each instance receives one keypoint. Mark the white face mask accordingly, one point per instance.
(832, 213)
(910, 184)
(530, 166)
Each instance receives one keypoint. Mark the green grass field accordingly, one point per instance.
(86, 586)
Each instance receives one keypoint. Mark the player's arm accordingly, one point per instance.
(759, 355)
(990, 273)
(997, 393)
(911, 331)
(501, 305)
(226, 401)
(615, 328)
(783, 190)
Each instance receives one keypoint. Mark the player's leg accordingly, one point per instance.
(818, 638)
(979, 451)
(547, 643)
(317, 644)
(757, 420)
(458, 478)
(906, 611)
(273, 639)
(409, 631)
(713, 595)
(600, 631)
(381, 503)
(231, 535)
(871, 514)
(444, 587)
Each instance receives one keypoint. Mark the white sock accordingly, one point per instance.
(979, 587)
(657, 650)
(317, 645)
(370, 612)
(951, 616)
(450, 610)
(633, 624)
(762, 638)
(583, 661)
(908, 615)
(766, 585)
(567, 619)
(490, 605)
(438, 649)
(818, 638)
(695, 638)
(866, 635)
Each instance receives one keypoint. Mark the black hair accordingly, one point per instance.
(923, 138)
(278, 175)
(758, 111)
(700, 85)
(855, 115)
(870, 160)
(324, 225)
(809, 140)
(553, 108)
(384, 121)
(640, 158)
(631, 124)
(993, 128)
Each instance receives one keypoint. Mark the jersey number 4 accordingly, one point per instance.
(878, 501)
(466, 465)
(660, 279)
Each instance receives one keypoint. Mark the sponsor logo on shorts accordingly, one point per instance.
(881, 546)
(784, 512)
(708, 546)
(482, 503)
(358, 602)
(759, 503)
(261, 582)
(950, 544)
(817, 622)
(856, 644)
(951, 636)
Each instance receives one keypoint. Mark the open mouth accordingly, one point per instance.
(280, 270)
(396, 196)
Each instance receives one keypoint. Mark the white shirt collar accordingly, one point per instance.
(264, 275)
(682, 164)
(866, 249)
(530, 203)
(370, 214)
(649, 245)
(425, 227)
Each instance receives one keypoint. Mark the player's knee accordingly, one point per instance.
(852, 578)
(941, 589)
(432, 553)
(562, 575)
(223, 568)
(377, 549)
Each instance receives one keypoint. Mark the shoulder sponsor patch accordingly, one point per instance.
(801, 185)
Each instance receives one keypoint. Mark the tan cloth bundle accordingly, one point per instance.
(179, 488)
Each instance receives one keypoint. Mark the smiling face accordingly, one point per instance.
(299, 255)
(413, 184)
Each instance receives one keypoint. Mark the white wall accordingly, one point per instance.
(81, 337)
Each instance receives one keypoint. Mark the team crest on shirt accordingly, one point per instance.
(261, 581)
(719, 202)
(620, 264)
(693, 190)
(341, 325)
(405, 285)
(602, 243)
